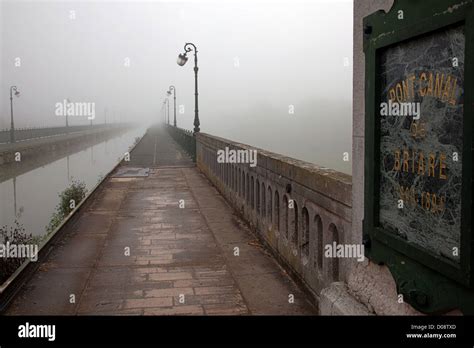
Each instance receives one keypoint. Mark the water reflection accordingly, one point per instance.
(32, 197)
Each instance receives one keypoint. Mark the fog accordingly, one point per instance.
(273, 74)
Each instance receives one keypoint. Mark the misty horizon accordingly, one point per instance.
(257, 60)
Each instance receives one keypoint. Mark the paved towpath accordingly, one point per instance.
(134, 250)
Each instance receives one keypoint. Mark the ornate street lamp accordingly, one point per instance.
(12, 126)
(182, 59)
(173, 88)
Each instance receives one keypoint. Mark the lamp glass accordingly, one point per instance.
(182, 59)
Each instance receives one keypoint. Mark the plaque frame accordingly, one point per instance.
(429, 282)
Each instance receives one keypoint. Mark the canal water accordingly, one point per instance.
(31, 198)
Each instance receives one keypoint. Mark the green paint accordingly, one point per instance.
(429, 282)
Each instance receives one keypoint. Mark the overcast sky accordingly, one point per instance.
(257, 61)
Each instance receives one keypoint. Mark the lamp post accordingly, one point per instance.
(182, 59)
(67, 119)
(12, 125)
(173, 88)
(162, 112)
(167, 101)
(163, 109)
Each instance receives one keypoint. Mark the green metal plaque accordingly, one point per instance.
(418, 150)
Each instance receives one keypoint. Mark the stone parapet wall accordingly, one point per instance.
(262, 194)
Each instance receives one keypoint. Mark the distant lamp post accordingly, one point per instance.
(163, 108)
(13, 90)
(182, 59)
(167, 101)
(67, 106)
(173, 88)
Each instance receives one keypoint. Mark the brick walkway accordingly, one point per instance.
(181, 260)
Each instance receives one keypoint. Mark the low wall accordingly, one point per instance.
(33, 148)
(185, 138)
(31, 133)
(296, 233)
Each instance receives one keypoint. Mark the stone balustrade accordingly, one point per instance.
(295, 207)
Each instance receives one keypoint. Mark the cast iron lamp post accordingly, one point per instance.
(167, 101)
(173, 88)
(67, 119)
(12, 126)
(182, 59)
(163, 109)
